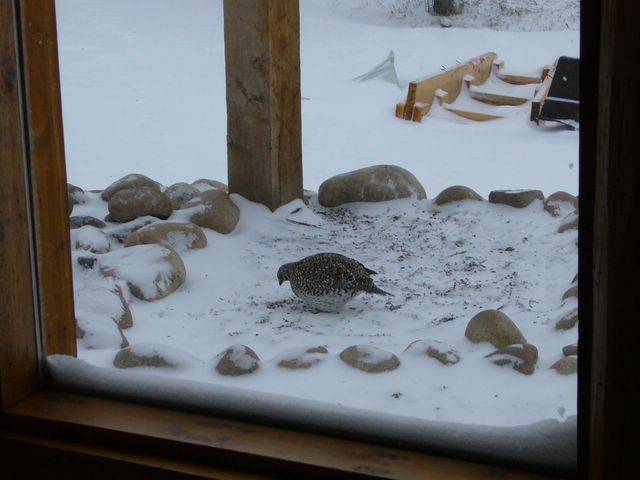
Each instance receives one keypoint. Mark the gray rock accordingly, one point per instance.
(132, 180)
(153, 355)
(494, 327)
(218, 212)
(522, 358)
(179, 236)
(515, 198)
(76, 194)
(568, 321)
(181, 193)
(121, 232)
(372, 184)
(81, 221)
(570, 222)
(557, 201)
(566, 365)
(151, 271)
(130, 203)
(457, 193)
(87, 262)
(90, 239)
(571, 292)
(442, 352)
(369, 359)
(203, 184)
(237, 360)
(570, 350)
(302, 358)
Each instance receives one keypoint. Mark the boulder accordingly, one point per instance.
(571, 292)
(566, 365)
(76, 194)
(515, 198)
(179, 236)
(132, 180)
(203, 184)
(237, 360)
(302, 358)
(91, 239)
(153, 355)
(372, 184)
(369, 359)
(440, 351)
(181, 193)
(570, 350)
(568, 321)
(494, 327)
(522, 358)
(103, 302)
(457, 193)
(570, 222)
(81, 221)
(130, 203)
(559, 201)
(218, 212)
(121, 232)
(151, 271)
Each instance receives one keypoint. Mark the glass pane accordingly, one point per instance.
(471, 316)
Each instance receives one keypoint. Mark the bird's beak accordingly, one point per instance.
(280, 281)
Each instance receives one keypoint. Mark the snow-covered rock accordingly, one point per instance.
(515, 198)
(179, 236)
(153, 355)
(440, 351)
(566, 366)
(457, 193)
(237, 360)
(133, 180)
(217, 211)
(91, 239)
(130, 203)
(371, 184)
(301, 358)
(369, 359)
(560, 201)
(180, 193)
(522, 358)
(495, 327)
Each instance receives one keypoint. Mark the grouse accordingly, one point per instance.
(326, 281)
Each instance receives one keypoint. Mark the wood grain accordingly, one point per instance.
(18, 372)
(233, 444)
(47, 174)
(262, 55)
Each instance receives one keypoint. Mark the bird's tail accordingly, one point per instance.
(379, 291)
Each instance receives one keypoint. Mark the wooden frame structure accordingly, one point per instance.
(58, 434)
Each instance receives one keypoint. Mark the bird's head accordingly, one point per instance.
(283, 273)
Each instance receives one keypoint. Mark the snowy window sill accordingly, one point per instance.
(549, 444)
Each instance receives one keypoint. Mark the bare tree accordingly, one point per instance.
(445, 8)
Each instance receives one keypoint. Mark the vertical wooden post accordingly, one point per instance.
(262, 52)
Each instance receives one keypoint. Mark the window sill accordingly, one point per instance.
(133, 435)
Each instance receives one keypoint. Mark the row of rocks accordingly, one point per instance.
(242, 360)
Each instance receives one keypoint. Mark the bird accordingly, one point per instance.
(327, 281)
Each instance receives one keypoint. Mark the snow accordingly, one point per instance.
(144, 91)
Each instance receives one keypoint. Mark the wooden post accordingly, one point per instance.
(262, 56)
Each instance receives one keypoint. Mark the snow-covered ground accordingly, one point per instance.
(143, 91)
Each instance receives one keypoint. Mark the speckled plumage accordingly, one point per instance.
(326, 281)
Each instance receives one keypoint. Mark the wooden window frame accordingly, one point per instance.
(43, 431)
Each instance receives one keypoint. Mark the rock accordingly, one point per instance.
(87, 262)
(515, 198)
(369, 359)
(566, 365)
(179, 236)
(570, 222)
(445, 22)
(70, 205)
(105, 302)
(121, 232)
(558, 201)
(237, 360)
(181, 193)
(80, 333)
(523, 358)
(372, 184)
(570, 350)
(442, 352)
(494, 327)
(76, 194)
(568, 321)
(299, 358)
(218, 212)
(151, 271)
(91, 239)
(98, 334)
(457, 193)
(153, 355)
(132, 180)
(81, 221)
(203, 184)
(130, 203)
(571, 292)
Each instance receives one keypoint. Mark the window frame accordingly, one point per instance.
(56, 428)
